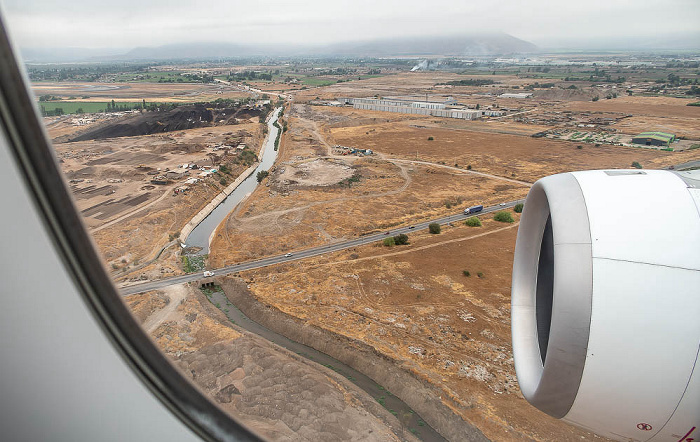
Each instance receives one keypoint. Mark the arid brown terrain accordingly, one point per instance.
(437, 310)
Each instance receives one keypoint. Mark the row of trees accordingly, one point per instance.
(435, 229)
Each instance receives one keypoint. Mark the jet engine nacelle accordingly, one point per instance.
(606, 302)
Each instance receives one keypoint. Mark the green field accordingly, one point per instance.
(147, 77)
(71, 107)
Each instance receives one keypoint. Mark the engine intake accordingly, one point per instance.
(605, 300)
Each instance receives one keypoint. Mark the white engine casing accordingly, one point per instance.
(606, 302)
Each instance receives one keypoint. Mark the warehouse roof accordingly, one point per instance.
(661, 136)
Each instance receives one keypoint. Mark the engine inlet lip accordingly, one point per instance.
(550, 368)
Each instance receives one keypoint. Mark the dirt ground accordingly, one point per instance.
(521, 157)
(276, 393)
(414, 304)
(285, 217)
(131, 218)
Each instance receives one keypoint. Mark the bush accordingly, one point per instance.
(480, 275)
(469, 167)
(466, 273)
(473, 222)
(434, 228)
(430, 138)
(262, 175)
(389, 242)
(518, 208)
(401, 239)
(504, 217)
(636, 165)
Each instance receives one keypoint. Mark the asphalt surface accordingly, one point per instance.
(307, 253)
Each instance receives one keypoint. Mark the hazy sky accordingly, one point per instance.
(131, 23)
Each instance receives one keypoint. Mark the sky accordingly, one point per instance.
(546, 23)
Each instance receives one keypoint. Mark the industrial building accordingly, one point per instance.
(654, 139)
(516, 95)
(446, 109)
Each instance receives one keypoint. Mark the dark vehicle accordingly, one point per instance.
(473, 209)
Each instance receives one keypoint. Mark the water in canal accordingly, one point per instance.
(395, 405)
(199, 237)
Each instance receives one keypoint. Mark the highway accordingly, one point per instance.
(306, 253)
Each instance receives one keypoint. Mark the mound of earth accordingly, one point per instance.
(180, 118)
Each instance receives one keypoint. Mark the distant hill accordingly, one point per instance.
(468, 45)
(474, 45)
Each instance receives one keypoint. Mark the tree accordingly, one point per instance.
(389, 242)
(636, 165)
(401, 239)
(518, 208)
(262, 175)
(434, 228)
(473, 222)
(466, 273)
(430, 138)
(596, 98)
(504, 217)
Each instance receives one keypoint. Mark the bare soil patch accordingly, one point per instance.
(315, 173)
(278, 394)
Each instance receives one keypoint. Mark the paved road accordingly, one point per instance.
(307, 253)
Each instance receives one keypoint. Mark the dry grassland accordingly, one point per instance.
(414, 304)
(511, 156)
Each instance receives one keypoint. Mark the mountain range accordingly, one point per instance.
(455, 45)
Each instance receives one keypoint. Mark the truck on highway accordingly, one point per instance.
(473, 209)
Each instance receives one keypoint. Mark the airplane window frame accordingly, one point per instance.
(32, 151)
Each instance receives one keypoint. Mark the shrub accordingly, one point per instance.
(636, 165)
(401, 239)
(518, 208)
(466, 273)
(579, 147)
(504, 217)
(434, 228)
(430, 138)
(473, 222)
(480, 274)
(262, 175)
(469, 167)
(389, 242)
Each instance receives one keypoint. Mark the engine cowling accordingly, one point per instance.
(606, 302)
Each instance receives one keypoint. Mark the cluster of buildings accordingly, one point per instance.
(445, 109)
(345, 150)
